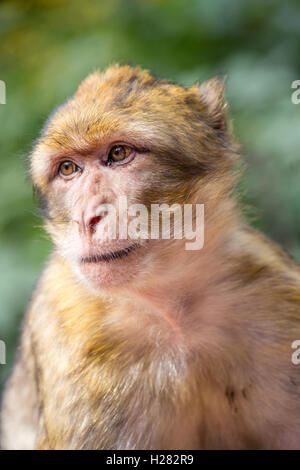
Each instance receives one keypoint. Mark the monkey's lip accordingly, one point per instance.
(110, 256)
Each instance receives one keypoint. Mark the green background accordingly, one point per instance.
(48, 47)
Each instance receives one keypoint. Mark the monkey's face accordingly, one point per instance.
(123, 139)
(89, 202)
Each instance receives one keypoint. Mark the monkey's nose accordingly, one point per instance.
(93, 222)
(90, 213)
(93, 218)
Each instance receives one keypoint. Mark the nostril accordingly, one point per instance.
(93, 222)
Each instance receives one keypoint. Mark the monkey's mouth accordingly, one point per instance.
(110, 256)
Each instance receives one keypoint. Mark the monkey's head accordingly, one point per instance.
(126, 136)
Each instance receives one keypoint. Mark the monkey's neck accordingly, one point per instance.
(187, 282)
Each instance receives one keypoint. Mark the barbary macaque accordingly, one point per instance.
(133, 342)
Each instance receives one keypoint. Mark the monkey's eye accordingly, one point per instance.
(67, 168)
(119, 153)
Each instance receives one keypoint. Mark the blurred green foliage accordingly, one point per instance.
(49, 46)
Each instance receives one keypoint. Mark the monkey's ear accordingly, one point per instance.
(212, 96)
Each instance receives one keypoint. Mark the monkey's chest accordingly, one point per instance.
(101, 405)
(145, 405)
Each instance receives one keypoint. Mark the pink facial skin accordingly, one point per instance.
(102, 261)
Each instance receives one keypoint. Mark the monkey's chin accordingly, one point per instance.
(113, 268)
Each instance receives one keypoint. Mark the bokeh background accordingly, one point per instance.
(48, 47)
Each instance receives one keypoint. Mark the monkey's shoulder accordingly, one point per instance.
(259, 262)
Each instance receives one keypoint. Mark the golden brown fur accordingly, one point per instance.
(178, 349)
